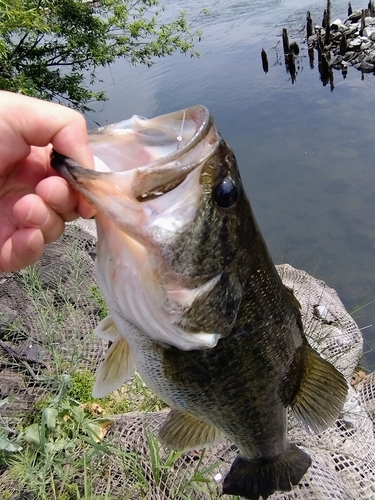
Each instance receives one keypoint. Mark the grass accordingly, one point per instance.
(57, 449)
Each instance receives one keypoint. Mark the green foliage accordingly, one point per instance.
(7, 446)
(56, 449)
(53, 48)
(134, 396)
(161, 464)
(101, 306)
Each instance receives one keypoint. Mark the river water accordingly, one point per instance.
(306, 152)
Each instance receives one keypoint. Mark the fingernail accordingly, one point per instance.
(38, 214)
(36, 241)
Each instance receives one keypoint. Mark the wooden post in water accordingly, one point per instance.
(309, 24)
(264, 57)
(311, 57)
(363, 22)
(343, 45)
(328, 23)
(350, 10)
(285, 41)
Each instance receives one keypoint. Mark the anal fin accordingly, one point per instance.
(117, 367)
(182, 431)
(262, 476)
(321, 394)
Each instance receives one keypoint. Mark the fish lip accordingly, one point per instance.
(70, 170)
(169, 169)
(64, 165)
(200, 115)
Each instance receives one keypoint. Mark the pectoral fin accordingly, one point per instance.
(182, 431)
(107, 329)
(117, 367)
(321, 394)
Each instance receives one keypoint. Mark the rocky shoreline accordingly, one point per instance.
(337, 45)
(344, 43)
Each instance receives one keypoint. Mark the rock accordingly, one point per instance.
(366, 45)
(336, 25)
(351, 30)
(356, 16)
(313, 38)
(29, 351)
(355, 43)
(369, 31)
(336, 61)
(366, 67)
(369, 21)
(350, 56)
(7, 315)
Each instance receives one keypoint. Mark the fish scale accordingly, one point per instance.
(196, 304)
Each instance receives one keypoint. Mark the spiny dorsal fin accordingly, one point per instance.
(107, 329)
(117, 367)
(182, 431)
(321, 394)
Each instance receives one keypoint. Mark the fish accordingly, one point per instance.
(196, 304)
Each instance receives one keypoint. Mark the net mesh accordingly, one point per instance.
(47, 316)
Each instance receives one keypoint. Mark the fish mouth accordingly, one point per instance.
(147, 190)
(140, 159)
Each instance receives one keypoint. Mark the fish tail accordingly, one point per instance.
(261, 477)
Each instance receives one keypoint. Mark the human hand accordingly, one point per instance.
(34, 201)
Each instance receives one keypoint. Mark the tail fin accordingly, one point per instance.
(262, 476)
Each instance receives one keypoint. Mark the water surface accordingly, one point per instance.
(305, 152)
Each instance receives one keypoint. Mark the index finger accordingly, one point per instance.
(25, 122)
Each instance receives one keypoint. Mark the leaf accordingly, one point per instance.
(7, 445)
(50, 415)
(98, 429)
(3, 402)
(32, 434)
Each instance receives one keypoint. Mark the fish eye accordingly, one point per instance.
(226, 193)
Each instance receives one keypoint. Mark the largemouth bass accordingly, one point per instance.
(196, 304)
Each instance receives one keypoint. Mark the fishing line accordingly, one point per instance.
(179, 137)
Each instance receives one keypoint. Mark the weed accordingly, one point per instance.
(56, 450)
(101, 306)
